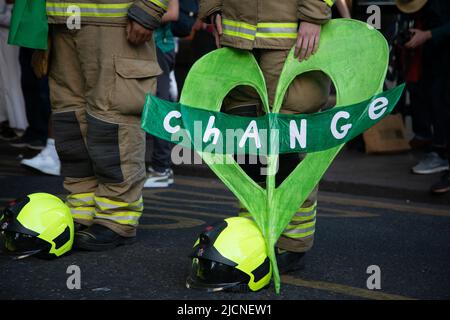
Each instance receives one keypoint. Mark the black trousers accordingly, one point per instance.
(421, 117)
(428, 110)
(162, 149)
(447, 116)
(37, 98)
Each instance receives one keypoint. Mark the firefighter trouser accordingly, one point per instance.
(98, 83)
(308, 93)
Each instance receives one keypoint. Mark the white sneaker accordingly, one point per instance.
(157, 179)
(431, 163)
(47, 161)
(173, 87)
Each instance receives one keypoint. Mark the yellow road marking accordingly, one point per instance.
(212, 183)
(227, 200)
(324, 213)
(340, 288)
(341, 200)
(381, 205)
(196, 213)
(200, 204)
(197, 197)
(181, 222)
(151, 203)
(165, 199)
(341, 213)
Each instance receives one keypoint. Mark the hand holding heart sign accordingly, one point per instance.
(353, 55)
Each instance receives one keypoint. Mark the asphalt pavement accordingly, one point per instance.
(407, 240)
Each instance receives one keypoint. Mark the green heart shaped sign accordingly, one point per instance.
(351, 53)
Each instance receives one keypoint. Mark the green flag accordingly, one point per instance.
(271, 134)
(29, 27)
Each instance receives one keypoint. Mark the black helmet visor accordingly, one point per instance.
(20, 245)
(210, 275)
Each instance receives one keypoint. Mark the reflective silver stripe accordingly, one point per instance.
(239, 29)
(300, 225)
(83, 214)
(122, 219)
(306, 214)
(80, 202)
(103, 206)
(298, 230)
(302, 217)
(85, 210)
(277, 30)
(85, 199)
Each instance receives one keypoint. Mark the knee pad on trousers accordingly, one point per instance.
(103, 147)
(70, 145)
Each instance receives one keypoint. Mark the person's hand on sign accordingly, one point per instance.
(419, 38)
(307, 40)
(216, 21)
(138, 34)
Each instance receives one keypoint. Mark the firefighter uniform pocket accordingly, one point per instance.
(133, 80)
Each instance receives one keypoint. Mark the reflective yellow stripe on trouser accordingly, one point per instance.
(160, 3)
(302, 224)
(69, 9)
(329, 2)
(82, 205)
(119, 212)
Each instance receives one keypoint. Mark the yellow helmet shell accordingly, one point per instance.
(237, 242)
(45, 216)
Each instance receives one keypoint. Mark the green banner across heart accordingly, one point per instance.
(217, 132)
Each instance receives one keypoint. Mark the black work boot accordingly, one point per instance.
(289, 261)
(79, 227)
(100, 238)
